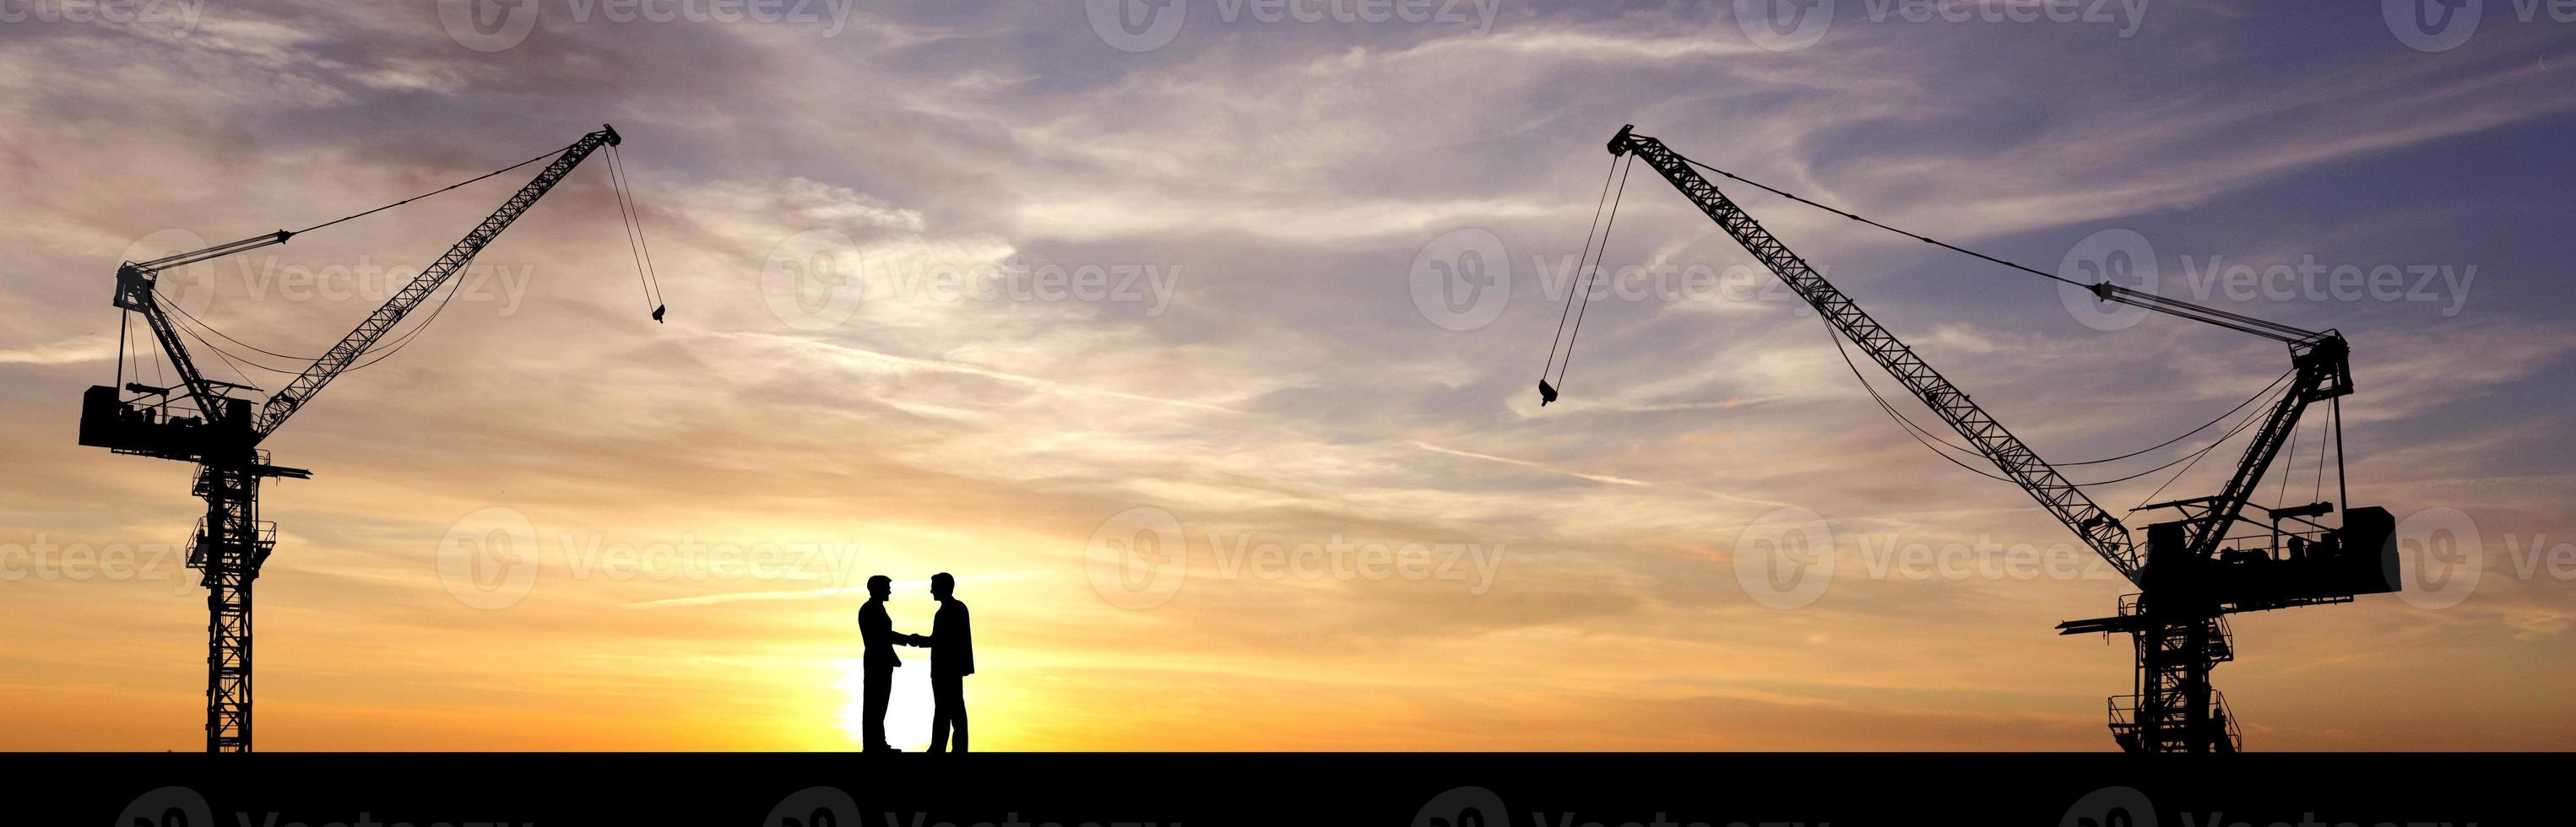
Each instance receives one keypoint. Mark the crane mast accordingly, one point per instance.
(221, 433)
(2191, 572)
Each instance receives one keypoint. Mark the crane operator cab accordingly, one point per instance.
(2295, 561)
(153, 424)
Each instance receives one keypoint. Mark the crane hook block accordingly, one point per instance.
(1546, 393)
(657, 312)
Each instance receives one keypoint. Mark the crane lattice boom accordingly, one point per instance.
(342, 354)
(2061, 498)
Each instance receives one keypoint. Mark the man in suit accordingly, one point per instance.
(877, 634)
(952, 657)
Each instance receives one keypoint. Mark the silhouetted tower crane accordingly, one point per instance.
(2191, 572)
(222, 433)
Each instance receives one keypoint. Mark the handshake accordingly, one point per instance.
(952, 658)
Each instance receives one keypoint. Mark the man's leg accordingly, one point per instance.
(879, 688)
(957, 710)
(939, 688)
(949, 718)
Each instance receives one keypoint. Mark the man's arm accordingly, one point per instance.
(938, 631)
(876, 624)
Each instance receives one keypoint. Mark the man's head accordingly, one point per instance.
(879, 587)
(942, 585)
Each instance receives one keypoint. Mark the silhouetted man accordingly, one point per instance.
(952, 657)
(877, 634)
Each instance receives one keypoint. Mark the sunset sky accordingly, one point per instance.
(998, 289)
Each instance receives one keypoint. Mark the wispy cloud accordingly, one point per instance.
(1287, 389)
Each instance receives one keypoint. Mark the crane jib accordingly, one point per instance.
(2104, 533)
(342, 354)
